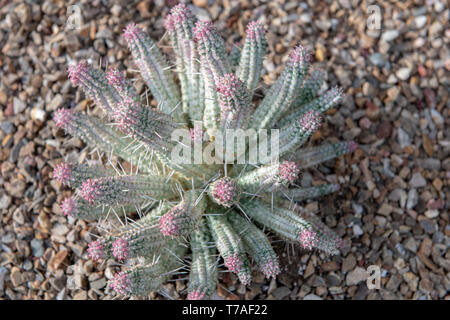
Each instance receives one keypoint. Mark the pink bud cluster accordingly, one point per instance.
(202, 30)
(120, 249)
(169, 223)
(178, 15)
(62, 172)
(225, 192)
(288, 171)
(90, 190)
(233, 263)
(121, 283)
(96, 250)
(270, 269)
(196, 294)
(131, 32)
(63, 118)
(308, 239)
(311, 121)
(299, 56)
(228, 85)
(76, 72)
(68, 205)
(254, 30)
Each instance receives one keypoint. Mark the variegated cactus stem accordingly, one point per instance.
(300, 194)
(290, 225)
(256, 244)
(252, 55)
(230, 247)
(269, 178)
(141, 279)
(214, 64)
(283, 92)
(225, 192)
(293, 136)
(126, 189)
(154, 69)
(234, 101)
(97, 133)
(137, 239)
(73, 175)
(314, 155)
(95, 85)
(310, 88)
(179, 24)
(203, 273)
(81, 209)
(321, 104)
(183, 218)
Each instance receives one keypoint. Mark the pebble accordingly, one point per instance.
(403, 73)
(417, 180)
(37, 247)
(312, 296)
(356, 276)
(420, 21)
(403, 138)
(7, 127)
(390, 35)
(413, 199)
(377, 59)
(281, 292)
(19, 105)
(5, 201)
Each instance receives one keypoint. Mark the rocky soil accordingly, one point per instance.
(393, 209)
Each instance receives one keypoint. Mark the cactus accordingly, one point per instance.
(207, 207)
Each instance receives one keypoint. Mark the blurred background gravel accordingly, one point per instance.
(393, 209)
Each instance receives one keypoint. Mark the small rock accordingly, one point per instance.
(37, 247)
(18, 105)
(312, 296)
(420, 21)
(413, 199)
(57, 260)
(403, 138)
(5, 201)
(389, 35)
(432, 213)
(410, 244)
(38, 114)
(349, 263)
(16, 277)
(356, 276)
(3, 273)
(98, 284)
(377, 59)
(357, 231)
(281, 292)
(417, 180)
(403, 73)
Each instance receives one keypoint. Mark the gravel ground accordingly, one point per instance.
(392, 209)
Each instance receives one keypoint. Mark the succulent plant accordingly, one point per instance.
(189, 209)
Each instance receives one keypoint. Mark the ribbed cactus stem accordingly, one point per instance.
(126, 189)
(281, 95)
(97, 133)
(214, 64)
(314, 155)
(74, 175)
(122, 85)
(225, 192)
(256, 244)
(235, 102)
(252, 55)
(230, 247)
(183, 218)
(81, 209)
(300, 194)
(203, 274)
(269, 177)
(154, 69)
(95, 85)
(310, 88)
(321, 104)
(293, 136)
(179, 24)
